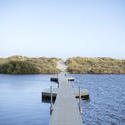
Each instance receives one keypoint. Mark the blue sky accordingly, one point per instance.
(62, 28)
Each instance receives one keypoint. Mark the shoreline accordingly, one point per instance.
(68, 73)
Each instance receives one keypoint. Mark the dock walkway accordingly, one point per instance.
(65, 109)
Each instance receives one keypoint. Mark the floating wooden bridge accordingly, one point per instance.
(65, 109)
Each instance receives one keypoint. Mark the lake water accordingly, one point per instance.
(20, 99)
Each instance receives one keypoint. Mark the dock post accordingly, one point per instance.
(58, 81)
(51, 101)
(58, 84)
(80, 109)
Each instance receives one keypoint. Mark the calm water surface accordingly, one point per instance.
(20, 99)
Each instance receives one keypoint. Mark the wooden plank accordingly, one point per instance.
(66, 111)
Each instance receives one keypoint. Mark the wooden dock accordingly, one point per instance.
(65, 109)
(46, 95)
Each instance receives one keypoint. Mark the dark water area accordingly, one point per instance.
(107, 99)
(20, 99)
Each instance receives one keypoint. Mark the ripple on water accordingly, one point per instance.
(20, 99)
(107, 99)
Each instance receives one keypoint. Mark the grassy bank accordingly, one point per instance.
(95, 65)
(25, 65)
(76, 65)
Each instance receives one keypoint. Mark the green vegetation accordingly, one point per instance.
(105, 65)
(78, 65)
(24, 65)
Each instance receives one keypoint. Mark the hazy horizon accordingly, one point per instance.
(65, 28)
(63, 58)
